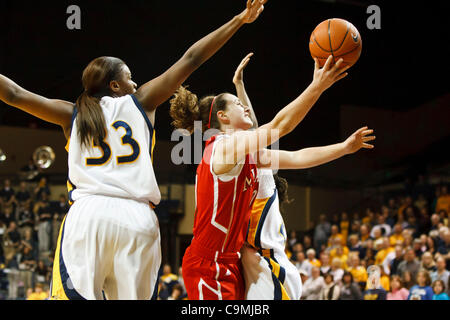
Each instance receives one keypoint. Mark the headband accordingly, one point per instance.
(210, 112)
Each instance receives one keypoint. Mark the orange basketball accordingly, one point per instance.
(336, 37)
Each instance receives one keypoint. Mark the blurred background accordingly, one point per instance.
(398, 87)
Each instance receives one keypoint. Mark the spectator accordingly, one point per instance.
(177, 292)
(358, 272)
(355, 245)
(349, 290)
(398, 292)
(435, 221)
(304, 278)
(292, 238)
(325, 266)
(437, 194)
(29, 167)
(443, 202)
(355, 225)
(11, 243)
(385, 281)
(7, 193)
(408, 280)
(398, 258)
(23, 196)
(385, 229)
(417, 248)
(26, 217)
(438, 290)
(410, 264)
(44, 213)
(311, 255)
(385, 249)
(388, 217)
(42, 272)
(42, 188)
(341, 253)
(444, 243)
(421, 201)
(427, 262)
(344, 225)
(38, 293)
(313, 286)
(396, 237)
(364, 235)
(307, 243)
(321, 232)
(422, 290)
(330, 290)
(181, 281)
(27, 265)
(335, 235)
(369, 219)
(336, 269)
(441, 273)
(302, 263)
(7, 217)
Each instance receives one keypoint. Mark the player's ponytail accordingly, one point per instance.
(185, 108)
(96, 80)
(282, 189)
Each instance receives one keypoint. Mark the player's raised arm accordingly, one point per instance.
(52, 110)
(238, 80)
(230, 151)
(155, 92)
(316, 156)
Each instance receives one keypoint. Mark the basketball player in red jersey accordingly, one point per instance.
(226, 181)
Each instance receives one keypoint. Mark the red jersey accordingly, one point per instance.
(223, 203)
(211, 264)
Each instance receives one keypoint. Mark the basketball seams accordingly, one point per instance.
(314, 38)
(329, 38)
(345, 36)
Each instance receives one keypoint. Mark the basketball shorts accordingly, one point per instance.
(269, 275)
(212, 276)
(107, 248)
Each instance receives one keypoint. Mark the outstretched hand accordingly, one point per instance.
(239, 73)
(330, 74)
(253, 10)
(359, 139)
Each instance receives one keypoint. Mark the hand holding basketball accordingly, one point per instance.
(328, 75)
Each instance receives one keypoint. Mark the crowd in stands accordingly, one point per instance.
(29, 227)
(407, 236)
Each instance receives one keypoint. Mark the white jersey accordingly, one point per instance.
(268, 272)
(266, 215)
(121, 166)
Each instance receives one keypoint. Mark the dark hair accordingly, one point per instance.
(348, 273)
(185, 108)
(441, 282)
(96, 79)
(282, 189)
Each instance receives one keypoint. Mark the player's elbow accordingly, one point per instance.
(192, 59)
(13, 95)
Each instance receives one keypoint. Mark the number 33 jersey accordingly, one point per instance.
(121, 164)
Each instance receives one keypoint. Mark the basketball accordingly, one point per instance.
(336, 37)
